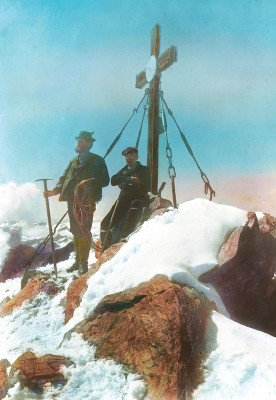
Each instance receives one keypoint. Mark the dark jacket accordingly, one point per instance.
(93, 167)
(135, 189)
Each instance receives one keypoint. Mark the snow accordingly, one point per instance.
(182, 244)
(242, 366)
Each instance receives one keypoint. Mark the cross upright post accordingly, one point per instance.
(152, 75)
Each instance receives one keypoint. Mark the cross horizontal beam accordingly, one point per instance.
(167, 58)
(141, 80)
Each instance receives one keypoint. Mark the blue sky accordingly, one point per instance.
(67, 66)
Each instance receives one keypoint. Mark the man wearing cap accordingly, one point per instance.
(85, 176)
(134, 182)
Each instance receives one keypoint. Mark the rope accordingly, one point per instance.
(135, 110)
(146, 107)
(82, 212)
(42, 245)
(207, 185)
(171, 169)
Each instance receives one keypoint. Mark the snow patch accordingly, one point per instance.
(181, 244)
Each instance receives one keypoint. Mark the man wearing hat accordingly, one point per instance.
(81, 185)
(134, 182)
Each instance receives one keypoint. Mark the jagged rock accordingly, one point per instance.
(4, 364)
(158, 203)
(36, 285)
(244, 277)
(157, 330)
(268, 224)
(63, 253)
(35, 372)
(159, 211)
(14, 264)
(78, 286)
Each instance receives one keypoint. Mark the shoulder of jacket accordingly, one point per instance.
(93, 156)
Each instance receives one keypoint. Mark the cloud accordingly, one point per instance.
(15, 200)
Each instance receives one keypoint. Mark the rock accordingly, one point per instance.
(158, 203)
(35, 372)
(159, 211)
(36, 285)
(268, 224)
(4, 365)
(14, 264)
(63, 253)
(157, 330)
(244, 277)
(78, 287)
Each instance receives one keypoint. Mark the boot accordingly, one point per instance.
(84, 249)
(75, 266)
(83, 267)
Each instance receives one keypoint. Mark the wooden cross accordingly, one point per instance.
(156, 65)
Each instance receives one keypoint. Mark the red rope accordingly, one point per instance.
(82, 212)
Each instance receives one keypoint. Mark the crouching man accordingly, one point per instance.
(81, 186)
(134, 182)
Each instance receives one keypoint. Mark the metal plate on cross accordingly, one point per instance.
(151, 68)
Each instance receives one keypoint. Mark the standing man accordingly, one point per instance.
(134, 182)
(81, 186)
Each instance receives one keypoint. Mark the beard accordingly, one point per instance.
(78, 150)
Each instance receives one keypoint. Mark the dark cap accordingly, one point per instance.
(130, 150)
(86, 136)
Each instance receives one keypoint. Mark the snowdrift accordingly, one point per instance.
(182, 245)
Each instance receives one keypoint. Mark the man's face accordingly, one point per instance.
(82, 145)
(131, 158)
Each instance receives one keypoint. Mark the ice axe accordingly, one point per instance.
(49, 223)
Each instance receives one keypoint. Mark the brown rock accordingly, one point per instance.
(268, 224)
(36, 285)
(34, 372)
(62, 254)
(245, 276)
(156, 329)
(4, 364)
(159, 211)
(14, 264)
(78, 287)
(159, 202)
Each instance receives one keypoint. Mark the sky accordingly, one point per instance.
(68, 65)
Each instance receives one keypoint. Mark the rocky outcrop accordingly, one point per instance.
(268, 224)
(157, 330)
(159, 203)
(244, 277)
(159, 206)
(36, 372)
(15, 263)
(39, 284)
(78, 287)
(62, 254)
(4, 364)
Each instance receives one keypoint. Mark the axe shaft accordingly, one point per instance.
(50, 228)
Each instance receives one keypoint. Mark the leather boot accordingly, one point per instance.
(75, 266)
(84, 249)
